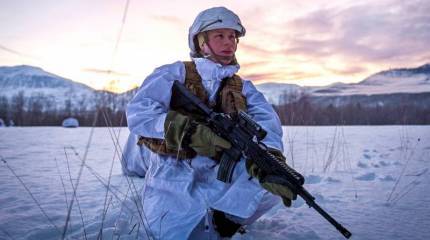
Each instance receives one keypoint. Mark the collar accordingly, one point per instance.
(212, 71)
(212, 74)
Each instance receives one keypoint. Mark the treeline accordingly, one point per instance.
(41, 110)
(305, 111)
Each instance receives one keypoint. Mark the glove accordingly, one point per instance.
(206, 143)
(272, 183)
(181, 132)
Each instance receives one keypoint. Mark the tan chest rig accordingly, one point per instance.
(229, 99)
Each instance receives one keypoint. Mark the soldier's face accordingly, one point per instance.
(223, 43)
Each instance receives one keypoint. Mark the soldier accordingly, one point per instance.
(178, 154)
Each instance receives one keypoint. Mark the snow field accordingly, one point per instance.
(374, 180)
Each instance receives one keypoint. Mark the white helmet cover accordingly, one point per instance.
(213, 18)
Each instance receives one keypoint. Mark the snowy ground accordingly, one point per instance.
(373, 180)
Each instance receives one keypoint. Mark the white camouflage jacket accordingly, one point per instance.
(178, 194)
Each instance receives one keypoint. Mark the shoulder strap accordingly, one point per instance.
(230, 98)
(193, 81)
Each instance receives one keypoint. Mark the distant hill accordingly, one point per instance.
(405, 80)
(386, 87)
(35, 83)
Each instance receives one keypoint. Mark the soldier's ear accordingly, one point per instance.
(201, 40)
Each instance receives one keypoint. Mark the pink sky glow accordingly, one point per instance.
(308, 42)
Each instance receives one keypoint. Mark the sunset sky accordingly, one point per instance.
(305, 42)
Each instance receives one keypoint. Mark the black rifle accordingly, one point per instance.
(245, 136)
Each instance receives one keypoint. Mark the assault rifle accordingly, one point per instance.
(245, 136)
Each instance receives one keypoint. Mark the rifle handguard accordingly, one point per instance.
(293, 173)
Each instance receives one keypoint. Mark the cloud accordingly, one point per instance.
(320, 21)
(282, 75)
(347, 71)
(299, 75)
(392, 31)
(260, 77)
(253, 64)
(401, 31)
(168, 19)
(252, 49)
(9, 50)
(309, 48)
(104, 71)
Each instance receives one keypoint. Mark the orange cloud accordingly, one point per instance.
(261, 77)
(168, 19)
(9, 50)
(105, 71)
(246, 65)
(348, 70)
(251, 49)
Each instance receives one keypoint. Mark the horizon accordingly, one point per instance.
(258, 83)
(110, 46)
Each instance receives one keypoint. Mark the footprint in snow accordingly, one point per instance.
(298, 203)
(319, 198)
(332, 180)
(313, 179)
(367, 177)
(362, 165)
(417, 174)
(301, 234)
(384, 164)
(387, 178)
(375, 165)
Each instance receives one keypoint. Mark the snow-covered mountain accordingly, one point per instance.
(36, 83)
(406, 80)
(280, 92)
(399, 82)
(391, 85)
